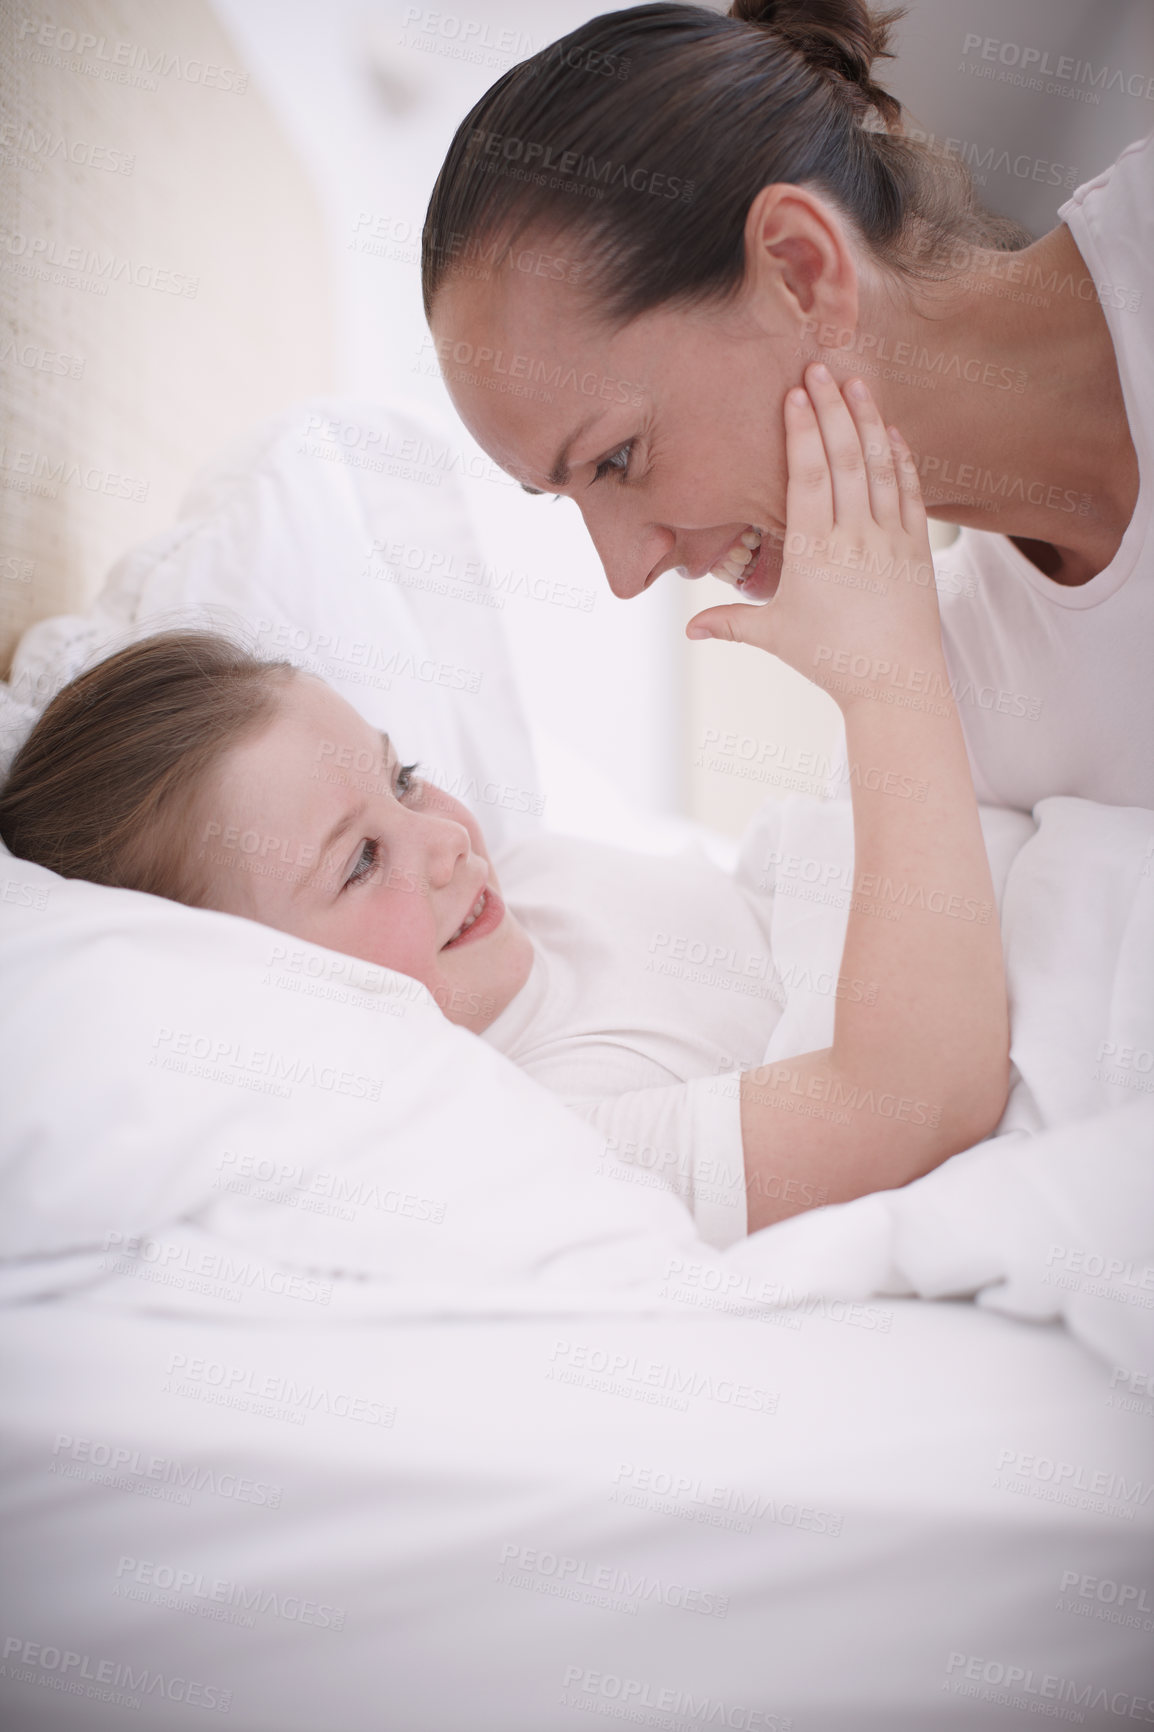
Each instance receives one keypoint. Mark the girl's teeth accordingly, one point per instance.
(751, 539)
(469, 918)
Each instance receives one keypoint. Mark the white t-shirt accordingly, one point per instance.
(1055, 685)
(652, 985)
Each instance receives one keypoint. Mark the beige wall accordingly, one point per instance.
(162, 281)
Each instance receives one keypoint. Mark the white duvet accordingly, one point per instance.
(268, 1221)
(226, 1093)
(1055, 1215)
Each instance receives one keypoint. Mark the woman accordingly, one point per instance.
(642, 237)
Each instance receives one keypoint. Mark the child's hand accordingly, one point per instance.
(856, 607)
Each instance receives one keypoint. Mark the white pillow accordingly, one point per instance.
(188, 1093)
(185, 1084)
(334, 537)
(168, 1060)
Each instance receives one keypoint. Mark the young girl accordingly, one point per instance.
(186, 768)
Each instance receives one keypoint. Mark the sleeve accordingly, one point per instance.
(686, 1136)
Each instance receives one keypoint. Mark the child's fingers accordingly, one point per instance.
(843, 448)
(909, 487)
(808, 493)
(881, 471)
(735, 622)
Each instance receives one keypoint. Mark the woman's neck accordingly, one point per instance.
(1011, 401)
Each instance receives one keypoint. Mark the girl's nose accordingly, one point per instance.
(439, 843)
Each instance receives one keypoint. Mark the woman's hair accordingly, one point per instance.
(107, 785)
(643, 137)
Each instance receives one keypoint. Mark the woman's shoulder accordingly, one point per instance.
(1114, 212)
(1133, 165)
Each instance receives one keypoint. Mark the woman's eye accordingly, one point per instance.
(617, 462)
(407, 779)
(366, 862)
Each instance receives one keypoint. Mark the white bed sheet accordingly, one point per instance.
(860, 1525)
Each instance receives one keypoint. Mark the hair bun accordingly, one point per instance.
(841, 37)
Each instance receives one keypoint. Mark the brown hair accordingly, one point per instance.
(107, 783)
(644, 136)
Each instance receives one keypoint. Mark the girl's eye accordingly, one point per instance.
(407, 779)
(369, 857)
(617, 462)
(366, 863)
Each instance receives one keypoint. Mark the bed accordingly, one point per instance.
(347, 1382)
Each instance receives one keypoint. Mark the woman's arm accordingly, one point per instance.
(922, 1072)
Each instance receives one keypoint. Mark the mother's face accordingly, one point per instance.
(666, 432)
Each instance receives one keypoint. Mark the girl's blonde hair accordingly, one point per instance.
(106, 787)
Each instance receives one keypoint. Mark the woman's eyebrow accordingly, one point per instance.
(559, 474)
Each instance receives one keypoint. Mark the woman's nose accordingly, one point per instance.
(628, 554)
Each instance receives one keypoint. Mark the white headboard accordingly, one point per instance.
(162, 281)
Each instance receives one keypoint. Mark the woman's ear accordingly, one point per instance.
(800, 271)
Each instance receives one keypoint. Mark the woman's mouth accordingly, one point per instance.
(746, 565)
(484, 917)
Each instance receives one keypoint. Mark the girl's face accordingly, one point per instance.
(315, 828)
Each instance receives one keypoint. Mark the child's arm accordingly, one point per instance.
(923, 1071)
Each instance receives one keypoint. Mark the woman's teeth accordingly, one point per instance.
(743, 552)
(474, 914)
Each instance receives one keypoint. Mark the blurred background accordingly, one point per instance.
(290, 187)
